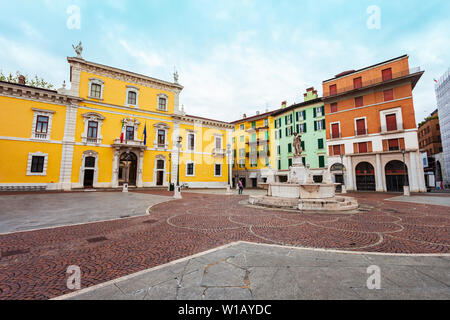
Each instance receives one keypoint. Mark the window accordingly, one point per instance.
(191, 141)
(393, 144)
(266, 122)
(290, 162)
(253, 124)
(42, 124)
(161, 137)
(391, 122)
(132, 97)
(334, 107)
(241, 127)
(359, 102)
(280, 134)
(387, 74)
(320, 143)
(37, 164)
(92, 129)
(242, 152)
(361, 127)
(337, 150)
(190, 169)
(89, 162)
(278, 150)
(162, 105)
(357, 83)
(241, 138)
(279, 164)
(333, 89)
(304, 161)
(217, 170)
(254, 137)
(303, 146)
(96, 91)
(130, 133)
(335, 132)
(321, 161)
(319, 125)
(388, 95)
(362, 147)
(318, 112)
(290, 147)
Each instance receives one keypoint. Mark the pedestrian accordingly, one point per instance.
(241, 186)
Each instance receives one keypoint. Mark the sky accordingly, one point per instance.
(233, 57)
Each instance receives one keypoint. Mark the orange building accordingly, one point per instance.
(371, 127)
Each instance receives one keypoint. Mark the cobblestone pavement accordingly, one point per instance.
(33, 264)
(248, 271)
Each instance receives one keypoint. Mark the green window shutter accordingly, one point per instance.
(323, 124)
(280, 135)
(321, 161)
(315, 125)
(320, 143)
(289, 162)
(303, 145)
(315, 113)
(304, 161)
(323, 110)
(289, 148)
(298, 128)
(279, 123)
(290, 116)
(304, 114)
(296, 116)
(279, 164)
(286, 131)
(267, 135)
(285, 120)
(305, 127)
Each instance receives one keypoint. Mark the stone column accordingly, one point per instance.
(412, 173)
(75, 83)
(65, 175)
(115, 168)
(349, 179)
(139, 182)
(379, 175)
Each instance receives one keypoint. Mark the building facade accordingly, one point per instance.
(371, 127)
(253, 144)
(112, 127)
(442, 89)
(308, 119)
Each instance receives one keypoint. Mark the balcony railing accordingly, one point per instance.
(219, 152)
(368, 83)
(40, 135)
(133, 143)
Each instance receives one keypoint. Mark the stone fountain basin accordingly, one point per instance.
(302, 191)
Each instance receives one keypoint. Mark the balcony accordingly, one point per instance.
(369, 83)
(219, 152)
(129, 143)
(40, 135)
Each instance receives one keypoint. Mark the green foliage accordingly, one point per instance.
(33, 82)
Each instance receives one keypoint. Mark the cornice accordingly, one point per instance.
(124, 75)
(209, 122)
(37, 94)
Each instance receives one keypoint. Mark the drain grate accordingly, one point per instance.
(14, 252)
(97, 239)
(150, 221)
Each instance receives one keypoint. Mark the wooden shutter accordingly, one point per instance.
(333, 89)
(387, 74)
(391, 122)
(330, 150)
(336, 150)
(355, 148)
(385, 145)
(360, 127)
(357, 83)
(393, 144)
(342, 148)
(335, 130)
(362, 147)
(388, 95)
(334, 107)
(402, 143)
(359, 102)
(369, 146)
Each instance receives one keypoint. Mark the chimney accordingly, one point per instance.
(284, 104)
(257, 113)
(22, 79)
(244, 116)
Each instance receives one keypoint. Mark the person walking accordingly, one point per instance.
(241, 186)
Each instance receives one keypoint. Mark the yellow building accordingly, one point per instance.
(93, 134)
(253, 148)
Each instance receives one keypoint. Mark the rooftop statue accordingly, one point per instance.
(78, 50)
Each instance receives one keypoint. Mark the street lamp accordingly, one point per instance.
(406, 191)
(127, 170)
(170, 170)
(343, 188)
(229, 168)
(177, 194)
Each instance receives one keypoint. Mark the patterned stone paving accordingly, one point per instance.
(200, 222)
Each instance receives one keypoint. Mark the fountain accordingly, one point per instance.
(301, 192)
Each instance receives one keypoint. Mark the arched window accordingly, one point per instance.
(132, 96)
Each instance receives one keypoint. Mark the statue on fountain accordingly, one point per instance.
(298, 144)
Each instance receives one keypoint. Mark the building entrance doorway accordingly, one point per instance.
(160, 165)
(365, 177)
(128, 168)
(89, 172)
(395, 176)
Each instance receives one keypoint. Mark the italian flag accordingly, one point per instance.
(122, 133)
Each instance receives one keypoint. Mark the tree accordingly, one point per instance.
(33, 82)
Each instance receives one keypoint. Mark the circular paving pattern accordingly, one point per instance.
(33, 264)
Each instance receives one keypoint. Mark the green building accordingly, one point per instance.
(308, 118)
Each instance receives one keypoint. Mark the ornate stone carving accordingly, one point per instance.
(78, 50)
(298, 144)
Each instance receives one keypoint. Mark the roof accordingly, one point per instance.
(295, 106)
(27, 86)
(208, 119)
(94, 64)
(346, 73)
(255, 117)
